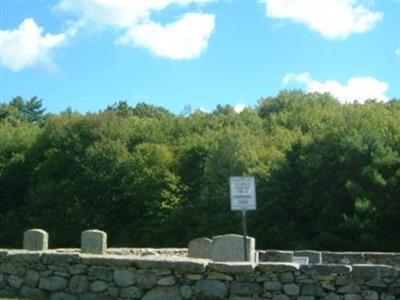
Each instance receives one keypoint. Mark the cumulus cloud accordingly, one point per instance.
(357, 89)
(333, 19)
(28, 46)
(186, 38)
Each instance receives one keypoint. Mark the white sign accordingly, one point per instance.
(302, 260)
(243, 193)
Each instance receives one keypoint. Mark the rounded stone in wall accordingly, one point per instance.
(131, 292)
(78, 284)
(31, 278)
(163, 293)
(62, 296)
(98, 286)
(124, 278)
(213, 289)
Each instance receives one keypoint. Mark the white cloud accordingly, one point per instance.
(331, 18)
(398, 51)
(185, 38)
(28, 46)
(239, 107)
(357, 88)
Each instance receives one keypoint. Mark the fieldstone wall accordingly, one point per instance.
(326, 257)
(72, 276)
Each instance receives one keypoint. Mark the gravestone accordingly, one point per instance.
(94, 242)
(200, 248)
(230, 247)
(36, 240)
(314, 257)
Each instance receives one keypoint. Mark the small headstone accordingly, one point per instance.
(94, 242)
(36, 240)
(302, 260)
(200, 248)
(230, 247)
(315, 257)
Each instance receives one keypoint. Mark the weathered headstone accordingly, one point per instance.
(36, 240)
(230, 247)
(200, 248)
(314, 257)
(94, 242)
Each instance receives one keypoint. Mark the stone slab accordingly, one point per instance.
(36, 240)
(230, 247)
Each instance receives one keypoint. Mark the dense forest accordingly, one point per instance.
(327, 174)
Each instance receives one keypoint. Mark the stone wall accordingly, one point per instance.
(349, 258)
(71, 275)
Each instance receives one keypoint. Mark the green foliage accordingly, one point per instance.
(328, 175)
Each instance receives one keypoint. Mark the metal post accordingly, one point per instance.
(244, 233)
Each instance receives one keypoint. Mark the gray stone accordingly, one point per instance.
(280, 297)
(277, 267)
(31, 292)
(276, 256)
(246, 289)
(349, 289)
(314, 257)
(371, 271)
(131, 292)
(7, 293)
(90, 296)
(286, 277)
(272, 285)
(186, 292)
(312, 290)
(15, 282)
(331, 296)
(78, 284)
(375, 282)
(166, 281)
(101, 273)
(124, 278)
(210, 289)
(163, 293)
(94, 242)
(98, 286)
(327, 269)
(305, 298)
(370, 295)
(31, 278)
(113, 291)
(232, 267)
(53, 283)
(200, 248)
(291, 289)
(12, 269)
(230, 247)
(146, 281)
(387, 297)
(62, 296)
(53, 258)
(352, 297)
(36, 240)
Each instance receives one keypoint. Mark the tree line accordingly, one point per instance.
(327, 174)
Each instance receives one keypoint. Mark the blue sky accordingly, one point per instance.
(87, 54)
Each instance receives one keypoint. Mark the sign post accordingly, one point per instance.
(243, 197)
